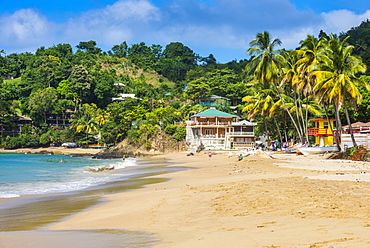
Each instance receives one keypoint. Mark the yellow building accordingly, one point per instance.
(323, 132)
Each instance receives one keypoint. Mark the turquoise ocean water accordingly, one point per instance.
(30, 174)
(38, 190)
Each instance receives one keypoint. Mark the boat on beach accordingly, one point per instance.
(317, 149)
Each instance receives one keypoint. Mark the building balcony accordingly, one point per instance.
(319, 132)
(250, 134)
(243, 144)
(210, 136)
(204, 124)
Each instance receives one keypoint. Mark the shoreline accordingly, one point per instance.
(55, 150)
(289, 201)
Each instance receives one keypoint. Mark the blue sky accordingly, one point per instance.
(221, 27)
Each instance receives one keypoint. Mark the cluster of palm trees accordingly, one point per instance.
(89, 119)
(303, 82)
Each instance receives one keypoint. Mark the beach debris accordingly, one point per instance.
(100, 169)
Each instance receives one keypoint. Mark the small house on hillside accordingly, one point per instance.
(120, 95)
(13, 130)
(219, 130)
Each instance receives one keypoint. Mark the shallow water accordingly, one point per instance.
(28, 174)
(31, 214)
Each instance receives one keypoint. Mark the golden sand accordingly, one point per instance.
(261, 201)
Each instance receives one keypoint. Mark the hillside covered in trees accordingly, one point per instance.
(279, 89)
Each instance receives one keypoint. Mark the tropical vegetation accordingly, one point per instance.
(325, 76)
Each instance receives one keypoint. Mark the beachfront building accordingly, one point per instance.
(323, 131)
(357, 127)
(216, 129)
(60, 120)
(361, 133)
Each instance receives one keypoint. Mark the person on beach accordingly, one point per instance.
(209, 154)
(230, 154)
(240, 157)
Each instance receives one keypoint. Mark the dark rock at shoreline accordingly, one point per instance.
(77, 155)
(44, 152)
(113, 155)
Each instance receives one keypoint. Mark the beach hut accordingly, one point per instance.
(323, 131)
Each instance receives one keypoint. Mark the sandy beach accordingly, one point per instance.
(261, 201)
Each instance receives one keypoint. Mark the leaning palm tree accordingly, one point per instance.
(84, 122)
(261, 104)
(301, 64)
(266, 67)
(337, 82)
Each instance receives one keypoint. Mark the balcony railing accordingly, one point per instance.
(243, 144)
(241, 134)
(318, 132)
(210, 136)
(205, 123)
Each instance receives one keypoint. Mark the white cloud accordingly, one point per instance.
(115, 23)
(342, 20)
(224, 25)
(24, 27)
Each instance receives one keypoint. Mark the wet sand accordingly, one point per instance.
(261, 201)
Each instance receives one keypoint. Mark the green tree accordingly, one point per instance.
(120, 50)
(84, 120)
(337, 80)
(266, 68)
(89, 47)
(81, 81)
(42, 102)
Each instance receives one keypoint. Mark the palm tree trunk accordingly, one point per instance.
(290, 115)
(350, 126)
(278, 129)
(338, 125)
(306, 118)
(266, 129)
(297, 109)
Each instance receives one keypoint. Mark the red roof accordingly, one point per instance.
(358, 124)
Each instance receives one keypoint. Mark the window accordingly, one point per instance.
(209, 131)
(326, 125)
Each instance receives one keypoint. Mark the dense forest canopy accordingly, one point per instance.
(279, 89)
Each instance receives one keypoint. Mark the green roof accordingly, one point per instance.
(213, 113)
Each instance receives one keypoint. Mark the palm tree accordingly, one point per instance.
(337, 81)
(84, 122)
(261, 104)
(267, 67)
(301, 65)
